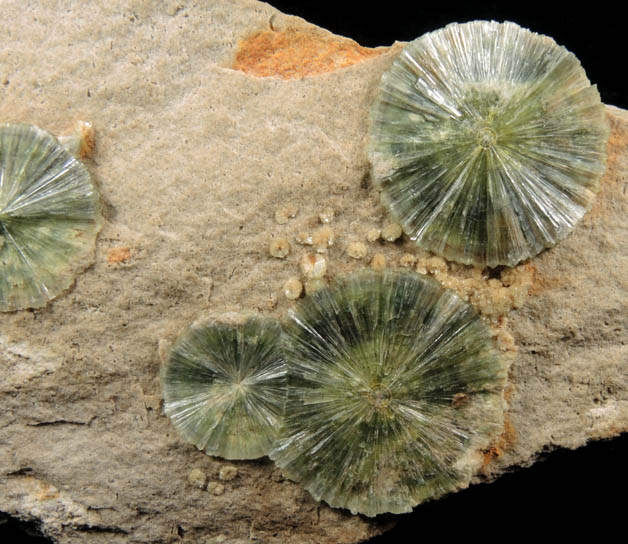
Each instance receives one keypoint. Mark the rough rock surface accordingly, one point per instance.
(193, 159)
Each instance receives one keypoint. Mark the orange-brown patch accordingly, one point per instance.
(47, 492)
(508, 392)
(543, 282)
(42, 490)
(88, 142)
(612, 183)
(118, 255)
(295, 53)
(505, 442)
(460, 399)
(491, 453)
(508, 438)
(611, 431)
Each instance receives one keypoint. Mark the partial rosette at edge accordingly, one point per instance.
(487, 142)
(49, 217)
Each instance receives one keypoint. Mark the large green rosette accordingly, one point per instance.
(224, 387)
(487, 141)
(393, 386)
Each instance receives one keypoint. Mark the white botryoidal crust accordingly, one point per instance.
(487, 142)
(377, 364)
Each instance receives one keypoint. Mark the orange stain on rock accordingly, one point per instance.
(118, 255)
(612, 182)
(295, 53)
(47, 492)
(41, 490)
(505, 442)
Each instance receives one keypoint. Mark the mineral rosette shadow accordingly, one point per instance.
(224, 386)
(487, 141)
(393, 387)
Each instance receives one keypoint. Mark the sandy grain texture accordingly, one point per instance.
(193, 159)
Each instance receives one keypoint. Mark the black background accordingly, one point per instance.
(571, 493)
(593, 31)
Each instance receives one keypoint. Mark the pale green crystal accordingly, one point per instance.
(49, 217)
(488, 142)
(224, 387)
(392, 383)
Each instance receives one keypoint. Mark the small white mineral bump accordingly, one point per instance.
(323, 238)
(279, 248)
(505, 341)
(494, 283)
(284, 214)
(326, 216)
(303, 238)
(313, 265)
(314, 284)
(215, 488)
(373, 235)
(378, 262)
(420, 268)
(293, 288)
(80, 142)
(436, 265)
(391, 232)
(227, 473)
(196, 478)
(407, 260)
(357, 250)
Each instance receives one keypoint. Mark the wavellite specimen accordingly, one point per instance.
(488, 142)
(49, 217)
(393, 386)
(224, 387)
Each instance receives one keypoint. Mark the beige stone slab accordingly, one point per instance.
(193, 160)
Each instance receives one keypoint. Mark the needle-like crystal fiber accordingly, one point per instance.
(393, 386)
(224, 387)
(49, 217)
(488, 142)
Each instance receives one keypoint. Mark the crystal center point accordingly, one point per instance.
(379, 396)
(487, 137)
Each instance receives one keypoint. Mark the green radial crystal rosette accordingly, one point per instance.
(224, 387)
(487, 141)
(49, 217)
(393, 386)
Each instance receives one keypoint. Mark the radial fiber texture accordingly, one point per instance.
(224, 387)
(488, 142)
(49, 217)
(392, 383)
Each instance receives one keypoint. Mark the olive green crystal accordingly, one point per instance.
(49, 217)
(487, 141)
(224, 387)
(393, 386)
